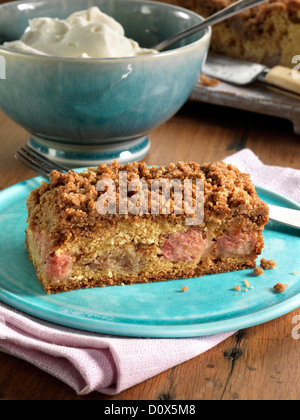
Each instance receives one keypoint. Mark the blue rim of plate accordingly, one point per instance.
(157, 328)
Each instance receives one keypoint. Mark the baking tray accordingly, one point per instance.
(254, 98)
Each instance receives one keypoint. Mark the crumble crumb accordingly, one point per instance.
(247, 283)
(295, 272)
(209, 81)
(184, 288)
(267, 264)
(280, 288)
(237, 288)
(258, 271)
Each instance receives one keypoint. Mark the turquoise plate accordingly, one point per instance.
(209, 306)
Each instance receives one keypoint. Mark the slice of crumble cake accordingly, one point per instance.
(83, 233)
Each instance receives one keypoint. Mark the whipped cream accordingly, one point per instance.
(87, 33)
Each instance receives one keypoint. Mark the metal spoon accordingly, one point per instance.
(223, 14)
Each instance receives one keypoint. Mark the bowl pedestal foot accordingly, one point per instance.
(91, 154)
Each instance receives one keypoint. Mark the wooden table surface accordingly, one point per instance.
(261, 362)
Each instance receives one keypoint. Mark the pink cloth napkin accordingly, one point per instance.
(109, 364)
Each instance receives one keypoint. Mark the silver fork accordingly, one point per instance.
(43, 166)
(38, 163)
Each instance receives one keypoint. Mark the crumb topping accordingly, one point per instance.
(67, 205)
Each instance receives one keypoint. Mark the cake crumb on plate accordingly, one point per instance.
(247, 283)
(280, 288)
(209, 81)
(258, 271)
(267, 264)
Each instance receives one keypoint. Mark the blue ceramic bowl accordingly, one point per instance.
(76, 107)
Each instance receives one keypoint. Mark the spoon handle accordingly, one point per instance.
(223, 14)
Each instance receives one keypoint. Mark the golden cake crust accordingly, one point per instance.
(253, 18)
(213, 6)
(268, 33)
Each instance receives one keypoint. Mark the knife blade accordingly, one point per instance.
(244, 73)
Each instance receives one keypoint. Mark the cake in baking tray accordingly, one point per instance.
(268, 33)
(75, 243)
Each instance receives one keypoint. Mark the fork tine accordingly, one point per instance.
(32, 165)
(36, 160)
(43, 159)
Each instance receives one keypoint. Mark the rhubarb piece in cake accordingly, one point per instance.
(73, 245)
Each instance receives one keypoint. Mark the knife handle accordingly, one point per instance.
(284, 78)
